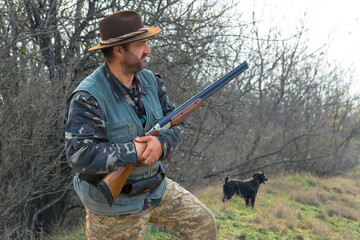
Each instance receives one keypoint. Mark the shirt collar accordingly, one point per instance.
(117, 87)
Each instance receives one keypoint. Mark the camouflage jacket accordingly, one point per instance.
(89, 147)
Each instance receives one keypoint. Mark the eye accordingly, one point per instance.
(142, 43)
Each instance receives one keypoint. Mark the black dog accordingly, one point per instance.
(246, 189)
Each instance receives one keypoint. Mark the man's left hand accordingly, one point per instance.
(153, 150)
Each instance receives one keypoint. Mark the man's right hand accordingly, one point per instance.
(153, 150)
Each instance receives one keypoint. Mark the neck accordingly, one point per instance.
(121, 75)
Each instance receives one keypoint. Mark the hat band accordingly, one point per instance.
(123, 37)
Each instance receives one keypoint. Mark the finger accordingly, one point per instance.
(148, 157)
(145, 155)
(142, 139)
(149, 161)
(138, 139)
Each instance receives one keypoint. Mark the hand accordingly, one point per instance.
(152, 152)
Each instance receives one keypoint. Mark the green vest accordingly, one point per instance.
(123, 125)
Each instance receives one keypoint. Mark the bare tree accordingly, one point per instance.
(287, 115)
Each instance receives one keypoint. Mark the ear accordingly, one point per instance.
(227, 179)
(256, 174)
(118, 51)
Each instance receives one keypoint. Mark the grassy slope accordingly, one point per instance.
(289, 207)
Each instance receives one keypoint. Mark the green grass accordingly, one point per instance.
(289, 207)
(75, 234)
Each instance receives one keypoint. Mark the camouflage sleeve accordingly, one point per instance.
(171, 138)
(86, 139)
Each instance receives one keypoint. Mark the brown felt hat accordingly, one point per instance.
(122, 27)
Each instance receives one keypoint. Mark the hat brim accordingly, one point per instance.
(151, 31)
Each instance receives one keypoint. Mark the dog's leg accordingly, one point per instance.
(252, 201)
(247, 201)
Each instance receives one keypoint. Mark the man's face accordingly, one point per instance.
(135, 56)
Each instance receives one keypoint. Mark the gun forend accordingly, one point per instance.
(178, 118)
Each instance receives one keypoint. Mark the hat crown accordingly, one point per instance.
(119, 24)
(123, 27)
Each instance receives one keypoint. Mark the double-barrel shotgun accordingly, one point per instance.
(113, 182)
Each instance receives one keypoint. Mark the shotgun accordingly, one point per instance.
(114, 181)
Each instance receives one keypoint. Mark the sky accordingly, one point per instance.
(334, 22)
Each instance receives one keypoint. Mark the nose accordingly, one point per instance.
(147, 49)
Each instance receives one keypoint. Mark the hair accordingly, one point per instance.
(108, 52)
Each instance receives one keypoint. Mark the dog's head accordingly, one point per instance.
(228, 190)
(260, 177)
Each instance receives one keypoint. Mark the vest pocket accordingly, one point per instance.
(158, 114)
(121, 132)
(155, 116)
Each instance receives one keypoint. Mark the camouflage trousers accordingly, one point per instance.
(179, 211)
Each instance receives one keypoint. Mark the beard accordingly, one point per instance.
(134, 64)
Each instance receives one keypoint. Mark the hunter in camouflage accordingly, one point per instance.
(106, 118)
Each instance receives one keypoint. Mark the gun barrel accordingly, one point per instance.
(205, 93)
(223, 81)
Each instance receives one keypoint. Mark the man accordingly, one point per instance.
(107, 116)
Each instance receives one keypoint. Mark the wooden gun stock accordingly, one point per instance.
(113, 182)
